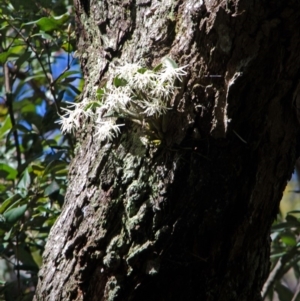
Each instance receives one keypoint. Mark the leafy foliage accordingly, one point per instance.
(285, 257)
(38, 74)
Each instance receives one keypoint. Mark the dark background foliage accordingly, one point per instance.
(38, 75)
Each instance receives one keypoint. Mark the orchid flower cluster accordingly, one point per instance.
(132, 92)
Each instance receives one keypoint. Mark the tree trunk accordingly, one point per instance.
(189, 219)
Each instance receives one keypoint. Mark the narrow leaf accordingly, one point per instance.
(49, 23)
(51, 189)
(13, 215)
(6, 126)
(25, 180)
(9, 202)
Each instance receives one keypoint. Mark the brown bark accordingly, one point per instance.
(190, 219)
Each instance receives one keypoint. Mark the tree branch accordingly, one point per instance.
(9, 103)
(278, 271)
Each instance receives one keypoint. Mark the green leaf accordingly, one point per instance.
(10, 202)
(277, 255)
(54, 157)
(291, 218)
(35, 76)
(288, 239)
(8, 233)
(92, 105)
(36, 222)
(69, 79)
(60, 95)
(74, 89)
(284, 226)
(49, 24)
(100, 93)
(37, 169)
(50, 143)
(45, 24)
(4, 56)
(25, 180)
(23, 58)
(51, 189)
(293, 212)
(12, 51)
(5, 127)
(8, 172)
(16, 203)
(28, 107)
(158, 67)
(142, 70)
(4, 25)
(2, 220)
(55, 166)
(67, 47)
(13, 215)
(3, 188)
(44, 35)
(26, 258)
(43, 209)
(62, 172)
(67, 74)
(119, 82)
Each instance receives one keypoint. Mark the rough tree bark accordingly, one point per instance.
(190, 219)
